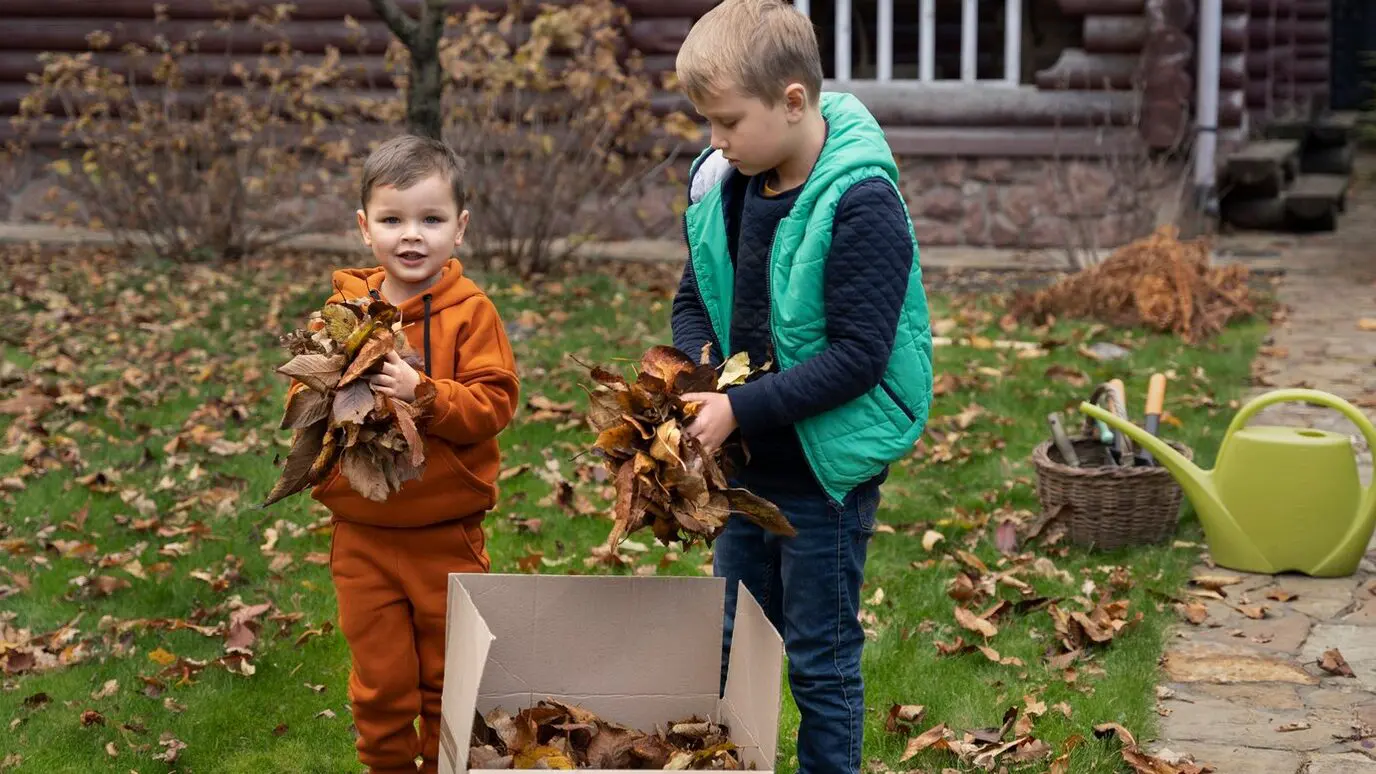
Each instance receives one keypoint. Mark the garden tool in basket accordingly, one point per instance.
(1111, 397)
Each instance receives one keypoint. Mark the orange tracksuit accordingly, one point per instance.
(390, 561)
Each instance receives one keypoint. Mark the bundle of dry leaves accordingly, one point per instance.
(1158, 281)
(664, 480)
(552, 735)
(375, 438)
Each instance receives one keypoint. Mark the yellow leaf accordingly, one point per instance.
(1367, 324)
(734, 371)
(542, 757)
(161, 657)
(62, 167)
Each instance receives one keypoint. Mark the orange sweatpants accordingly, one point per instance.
(392, 593)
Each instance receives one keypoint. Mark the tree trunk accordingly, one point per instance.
(422, 39)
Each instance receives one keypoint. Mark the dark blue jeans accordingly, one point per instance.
(809, 586)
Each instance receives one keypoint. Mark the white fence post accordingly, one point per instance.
(884, 67)
(1012, 42)
(969, 40)
(926, 47)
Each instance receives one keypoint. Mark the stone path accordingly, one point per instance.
(1233, 682)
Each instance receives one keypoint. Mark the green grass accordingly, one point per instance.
(173, 324)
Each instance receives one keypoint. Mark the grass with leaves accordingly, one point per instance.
(132, 553)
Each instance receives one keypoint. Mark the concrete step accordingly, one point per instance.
(1262, 167)
(1328, 160)
(1310, 203)
(1336, 128)
(1316, 200)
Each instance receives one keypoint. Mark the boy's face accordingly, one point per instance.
(753, 136)
(413, 231)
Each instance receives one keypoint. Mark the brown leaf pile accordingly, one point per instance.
(553, 735)
(663, 478)
(1013, 744)
(1157, 281)
(375, 438)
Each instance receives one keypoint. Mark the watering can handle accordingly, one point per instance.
(1314, 397)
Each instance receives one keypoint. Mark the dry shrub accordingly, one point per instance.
(556, 122)
(194, 159)
(1158, 281)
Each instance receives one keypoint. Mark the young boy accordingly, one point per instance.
(390, 561)
(802, 254)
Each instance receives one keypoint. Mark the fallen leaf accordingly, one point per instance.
(106, 691)
(1216, 582)
(903, 716)
(927, 739)
(930, 538)
(974, 623)
(1333, 663)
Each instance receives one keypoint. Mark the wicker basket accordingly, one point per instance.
(1107, 506)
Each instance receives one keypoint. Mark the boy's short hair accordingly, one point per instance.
(407, 159)
(757, 46)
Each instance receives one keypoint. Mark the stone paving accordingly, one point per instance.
(1247, 696)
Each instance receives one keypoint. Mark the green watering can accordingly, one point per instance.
(1279, 498)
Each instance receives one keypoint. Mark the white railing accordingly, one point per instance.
(926, 41)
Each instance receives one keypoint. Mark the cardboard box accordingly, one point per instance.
(636, 651)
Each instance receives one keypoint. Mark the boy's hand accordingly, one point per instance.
(397, 378)
(714, 422)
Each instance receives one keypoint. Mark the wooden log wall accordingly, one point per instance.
(1312, 49)
(1263, 58)
(1166, 62)
(1127, 46)
(1232, 87)
(657, 29)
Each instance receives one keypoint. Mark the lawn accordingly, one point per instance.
(131, 535)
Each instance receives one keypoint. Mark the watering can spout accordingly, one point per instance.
(1197, 483)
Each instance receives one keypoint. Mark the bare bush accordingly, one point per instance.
(556, 125)
(1130, 184)
(211, 170)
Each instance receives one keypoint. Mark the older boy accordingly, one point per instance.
(802, 254)
(390, 561)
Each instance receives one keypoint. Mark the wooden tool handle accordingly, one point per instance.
(1121, 395)
(1156, 394)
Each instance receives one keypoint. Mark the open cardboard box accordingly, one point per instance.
(636, 651)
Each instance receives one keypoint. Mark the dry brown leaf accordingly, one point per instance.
(926, 740)
(974, 623)
(318, 372)
(1195, 612)
(1333, 663)
(1216, 582)
(903, 716)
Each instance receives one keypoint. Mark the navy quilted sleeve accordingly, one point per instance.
(866, 278)
(689, 322)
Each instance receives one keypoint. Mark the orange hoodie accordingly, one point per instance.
(457, 329)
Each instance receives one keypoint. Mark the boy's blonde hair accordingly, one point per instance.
(756, 46)
(407, 159)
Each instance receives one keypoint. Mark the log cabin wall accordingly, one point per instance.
(983, 164)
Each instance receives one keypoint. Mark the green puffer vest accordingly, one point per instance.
(851, 444)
